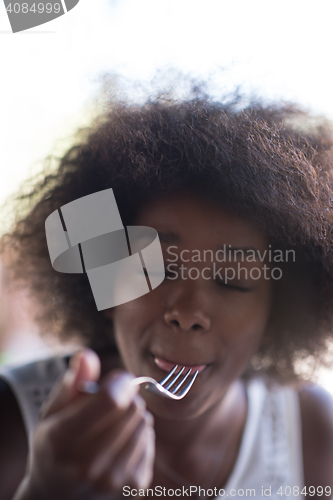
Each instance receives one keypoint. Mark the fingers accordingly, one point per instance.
(84, 366)
(114, 448)
(133, 464)
(105, 440)
(110, 437)
(129, 465)
(104, 447)
(103, 409)
(145, 470)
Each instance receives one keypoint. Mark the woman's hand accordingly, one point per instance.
(90, 446)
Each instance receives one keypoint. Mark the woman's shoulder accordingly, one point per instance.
(310, 407)
(316, 406)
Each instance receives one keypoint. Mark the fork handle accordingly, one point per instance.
(143, 380)
(88, 386)
(92, 387)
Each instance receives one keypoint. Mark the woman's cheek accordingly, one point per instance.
(248, 316)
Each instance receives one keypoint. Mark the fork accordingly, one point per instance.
(166, 387)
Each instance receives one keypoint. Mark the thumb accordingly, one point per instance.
(83, 366)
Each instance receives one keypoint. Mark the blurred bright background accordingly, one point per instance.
(49, 74)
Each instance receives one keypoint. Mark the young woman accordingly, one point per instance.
(242, 202)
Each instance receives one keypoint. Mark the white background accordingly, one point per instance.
(48, 74)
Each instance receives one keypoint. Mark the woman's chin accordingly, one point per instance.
(193, 405)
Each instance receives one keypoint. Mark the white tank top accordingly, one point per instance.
(270, 460)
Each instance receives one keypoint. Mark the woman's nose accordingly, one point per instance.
(187, 313)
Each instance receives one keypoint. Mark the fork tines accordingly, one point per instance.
(171, 385)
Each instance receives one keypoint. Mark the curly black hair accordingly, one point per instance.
(268, 163)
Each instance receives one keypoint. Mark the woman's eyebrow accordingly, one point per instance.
(169, 237)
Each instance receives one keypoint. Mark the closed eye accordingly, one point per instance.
(233, 287)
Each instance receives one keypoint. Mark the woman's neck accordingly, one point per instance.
(206, 446)
(218, 418)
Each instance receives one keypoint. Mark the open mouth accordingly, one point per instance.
(167, 365)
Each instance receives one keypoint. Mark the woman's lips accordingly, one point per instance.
(168, 365)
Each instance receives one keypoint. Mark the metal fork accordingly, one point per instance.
(170, 389)
(166, 387)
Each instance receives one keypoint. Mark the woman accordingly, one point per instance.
(213, 180)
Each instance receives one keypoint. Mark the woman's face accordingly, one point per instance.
(212, 317)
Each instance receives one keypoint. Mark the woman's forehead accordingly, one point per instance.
(186, 218)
